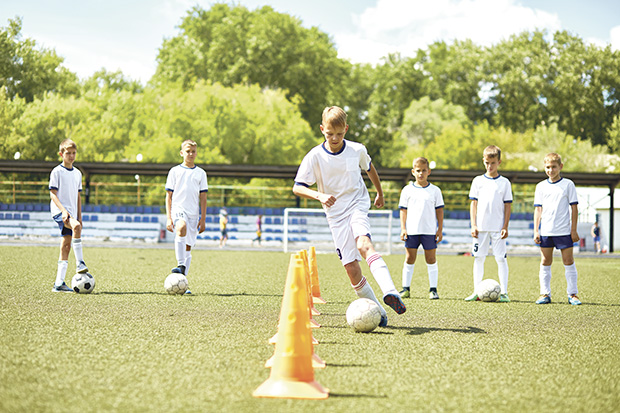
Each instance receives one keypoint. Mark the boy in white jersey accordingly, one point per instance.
(555, 225)
(421, 222)
(186, 205)
(335, 166)
(491, 198)
(66, 209)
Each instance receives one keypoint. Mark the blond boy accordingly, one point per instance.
(421, 223)
(186, 205)
(335, 166)
(491, 198)
(66, 208)
(555, 226)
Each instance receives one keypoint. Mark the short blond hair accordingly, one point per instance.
(553, 157)
(334, 116)
(492, 151)
(422, 160)
(66, 144)
(188, 142)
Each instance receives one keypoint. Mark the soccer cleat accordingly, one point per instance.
(179, 270)
(81, 268)
(503, 298)
(405, 293)
(574, 300)
(64, 288)
(473, 297)
(543, 299)
(433, 295)
(394, 301)
(187, 292)
(383, 322)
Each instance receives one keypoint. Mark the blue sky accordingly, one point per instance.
(125, 35)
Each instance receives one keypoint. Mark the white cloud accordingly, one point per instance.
(407, 25)
(614, 37)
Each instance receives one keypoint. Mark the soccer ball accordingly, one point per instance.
(83, 283)
(176, 283)
(488, 290)
(363, 315)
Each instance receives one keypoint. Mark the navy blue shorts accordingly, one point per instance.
(428, 242)
(560, 242)
(63, 230)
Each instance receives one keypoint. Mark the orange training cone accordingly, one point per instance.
(313, 311)
(292, 375)
(314, 278)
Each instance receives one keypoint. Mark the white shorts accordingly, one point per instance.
(480, 245)
(192, 226)
(345, 233)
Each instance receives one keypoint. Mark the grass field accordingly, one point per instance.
(130, 347)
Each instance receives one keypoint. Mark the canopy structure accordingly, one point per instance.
(288, 172)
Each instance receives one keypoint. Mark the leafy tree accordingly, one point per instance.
(29, 72)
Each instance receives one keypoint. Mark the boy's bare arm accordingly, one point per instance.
(507, 211)
(203, 212)
(537, 215)
(473, 210)
(573, 223)
(79, 207)
(374, 178)
(169, 223)
(54, 197)
(305, 192)
(439, 234)
(403, 224)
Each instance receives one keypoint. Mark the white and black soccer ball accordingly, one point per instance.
(176, 283)
(488, 290)
(363, 315)
(83, 283)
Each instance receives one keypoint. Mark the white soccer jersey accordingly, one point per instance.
(68, 183)
(491, 194)
(186, 185)
(421, 204)
(337, 174)
(555, 199)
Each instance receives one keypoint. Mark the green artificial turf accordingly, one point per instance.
(130, 347)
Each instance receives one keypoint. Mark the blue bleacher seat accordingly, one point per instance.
(1, 215)
(304, 239)
(96, 208)
(303, 221)
(8, 215)
(119, 218)
(21, 207)
(278, 239)
(233, 237)
(17, 216)
(137, 218)
(154, 219)
(268, 211)
(277, 221)
(128, 218)
(216, 220)
(148, 210)
(146, 219)
(25, 217)
(234, 220)
(250, 211)
(206, 237)
(105, 208)
(87, 208)
(209, 219)
(294, 221)
(114, 209)
(268, 239)
(94, 218)
(38, 207)
(211, 210)
(12, 207)
(29, 207)
(140, 209)
(268, 220)
(85, 218)
(268, 230)
(122, 209)
(131, 210)
(4, 207)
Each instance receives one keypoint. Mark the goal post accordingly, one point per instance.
(304, 227)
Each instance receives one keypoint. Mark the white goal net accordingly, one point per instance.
(305, 227)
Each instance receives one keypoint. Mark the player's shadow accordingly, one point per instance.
(360, 396)
(130, 293)
(345, 365)
(243, 294)
(416, 331)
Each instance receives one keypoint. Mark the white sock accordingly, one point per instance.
(407, 274)
(364, 290)
(433, 274)
(502, 271)
(77, 249)
(188, 261)
(570, 271)
(179, 249)
(380, 271)
(545, 279)
(478, 270)
(61, 272)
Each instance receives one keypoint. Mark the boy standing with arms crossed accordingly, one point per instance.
(186, 191)
(66, 209)
(491, 198)
(555, 225)
(421, 222)
(335, 166)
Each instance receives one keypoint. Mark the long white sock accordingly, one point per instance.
(433, 274)
(179, 249)
(188, 261)
(570, 271)
(502, 271)
(407, 274)
(77, 249)
(61, 272)
(545, 279)
(478, 270)
(380, 271)
(364, 290)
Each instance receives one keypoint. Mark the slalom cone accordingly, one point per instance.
(292, 375)
(313, 311)
(314, 278)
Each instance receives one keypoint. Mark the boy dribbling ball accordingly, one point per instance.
(555, 226)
